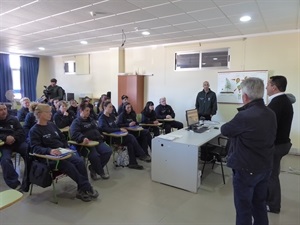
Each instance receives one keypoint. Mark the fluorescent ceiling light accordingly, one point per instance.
(245, 18)
(41, 48)
(83, 42)
(145, 33)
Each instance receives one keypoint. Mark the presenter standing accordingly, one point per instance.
(206, 102)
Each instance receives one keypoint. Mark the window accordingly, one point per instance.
(187, 61)
(215, 59)
(15, 67)
(218, 58)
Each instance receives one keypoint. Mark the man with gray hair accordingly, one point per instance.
(21, 114)
(251, 133)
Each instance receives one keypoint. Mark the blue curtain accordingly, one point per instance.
(29, 72)
(5, 76)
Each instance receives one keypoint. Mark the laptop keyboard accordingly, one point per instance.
(201, 130)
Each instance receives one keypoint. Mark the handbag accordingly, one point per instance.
(40, 174)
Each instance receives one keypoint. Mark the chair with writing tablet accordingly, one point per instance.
(9, 197)
(54, 173)
(110, 137)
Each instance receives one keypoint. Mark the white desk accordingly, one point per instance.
(175, 162)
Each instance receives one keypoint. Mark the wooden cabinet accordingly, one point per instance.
(133, 87)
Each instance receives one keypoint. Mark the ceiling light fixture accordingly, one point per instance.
(83, 42)
(93, 13)
(41, 48)
(245, 18)
(145, 33)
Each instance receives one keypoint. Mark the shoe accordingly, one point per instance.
(104, 176)
(135, 166)
(93, 173)
(272, 210)
(84, 196)
(93, 193)
(145, 158)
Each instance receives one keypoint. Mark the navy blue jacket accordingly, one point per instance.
(107, 124)
(85, 128)
(62, 121)
(125, 119)
(163, 110)
(148, 117)
(44, 138)
(11, 126)
(29, 122)
(21, 114)
(252, 134)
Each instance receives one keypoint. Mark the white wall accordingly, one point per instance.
(277, 53)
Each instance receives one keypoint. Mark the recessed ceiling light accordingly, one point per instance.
(215, 59)
(83, 42)
(145, 33)
(41, 48)
(245, 18)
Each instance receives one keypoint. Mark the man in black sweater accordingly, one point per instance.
(282, 106)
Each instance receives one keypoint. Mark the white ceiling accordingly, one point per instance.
(60, 25)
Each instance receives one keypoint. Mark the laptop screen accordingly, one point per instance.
(191, 116)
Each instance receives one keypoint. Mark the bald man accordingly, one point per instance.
(206, 102)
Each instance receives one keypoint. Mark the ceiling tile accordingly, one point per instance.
(207, 14)
(192, 5)
(164, 10)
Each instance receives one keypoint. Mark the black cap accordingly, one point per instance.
(124, 96)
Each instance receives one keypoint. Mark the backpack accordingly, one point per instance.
(122, 158)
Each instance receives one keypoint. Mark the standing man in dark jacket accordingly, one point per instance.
(165, 112)
(12, 137)
(252, 134)
(206, 102)
(282, 106)
(54, 92)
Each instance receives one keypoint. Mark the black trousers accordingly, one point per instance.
(274, 190)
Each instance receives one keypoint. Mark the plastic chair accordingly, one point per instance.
(215, 154)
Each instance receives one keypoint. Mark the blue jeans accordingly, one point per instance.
(250, 194)
(99, 156)
(9, 174)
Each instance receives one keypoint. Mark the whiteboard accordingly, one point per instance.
(229, 90)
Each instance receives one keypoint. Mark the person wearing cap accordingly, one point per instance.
(281, 104)
(21, 114)
(121, 107)
(54, 91)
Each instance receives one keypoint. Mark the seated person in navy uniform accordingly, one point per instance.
(21, 114)
(128, 119)
(45, 139)
(13, 137)
(85, 129)
(149, 117)
(63, 117)
(107, 124)
(164, 111)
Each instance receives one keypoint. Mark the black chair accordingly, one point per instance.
(216, 153)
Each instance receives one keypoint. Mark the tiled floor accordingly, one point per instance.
(130, 197)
